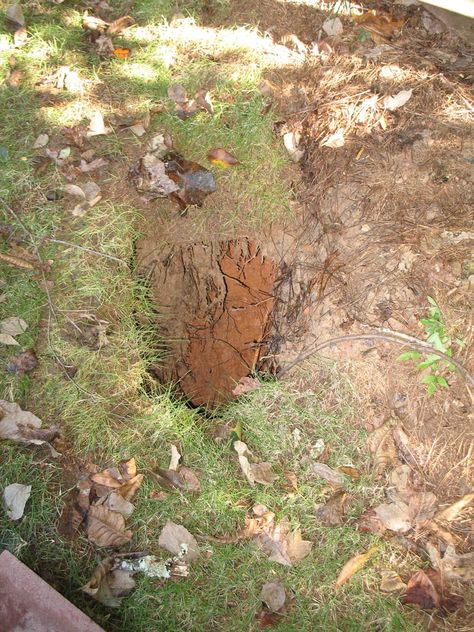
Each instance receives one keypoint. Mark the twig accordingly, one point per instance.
(93, 252)
(393, 336)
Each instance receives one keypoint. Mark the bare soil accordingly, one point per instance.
(380, 224)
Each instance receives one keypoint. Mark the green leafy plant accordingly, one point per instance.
(439, 339)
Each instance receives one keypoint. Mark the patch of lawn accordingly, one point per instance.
(109, 408)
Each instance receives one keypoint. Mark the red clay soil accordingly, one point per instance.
(218, 299)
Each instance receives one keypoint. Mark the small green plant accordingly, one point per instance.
(439, 339)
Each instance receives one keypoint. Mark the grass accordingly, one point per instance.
(110, 409)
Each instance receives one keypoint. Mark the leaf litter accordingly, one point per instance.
(23, 426)
(15, 497)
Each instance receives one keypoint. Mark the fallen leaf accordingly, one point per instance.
(170, 479)
(334, 140)
(392, 582)
(394, 516)
(291, 479)
(109, 586)
(41, 141)
(86, 167)
(350, 471)
(222, 158)
(262, 473)
(241, 448)
(97, 126)
(20, 37)
(24, 427)
(175, 458)
(273, 595)
(177, 93)
(88, 193)
(331, 513)
(203, 100)
(382, 446)
(246, 385)
(194, 182)
(17, 262)
(14, 15)
(297, 547)
(6, 339)
(67, 79)
(23, 363)
(104, 45)
(120, 24)
(368, 522)
(13, 326)
(291, 142)
(115, 502)
(106, 527)
(14, 78)
(122, 53)
(175, 538)
(421, 592)
(353, 566)
(397, 100)
(128, 469)
(451, 512)
(328, 474)
(130, 488)
(192, 483)
(333, 27)
(379, 23)
(452, 566)
(14, 498)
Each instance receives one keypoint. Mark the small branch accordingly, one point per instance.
(92, 252)
(387, 336)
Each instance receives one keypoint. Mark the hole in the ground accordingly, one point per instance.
(213, 301)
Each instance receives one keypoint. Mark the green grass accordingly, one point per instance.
(111, 409)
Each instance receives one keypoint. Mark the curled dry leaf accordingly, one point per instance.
(185, 479)
(97, 126)
(191, 480)
(24, 427)
(246, 385)
(106, 527)
(328, 474)
(115, 502)
(334, 140)
(391, 582)
(87, 167)
(394, 516)
(273, 595)
(175, 458)
(242, 451)
(88, 194)
(452, 566)
(291, 141)
(353, 565)
(382, 446)
(41, 141)
(333, 27)
(222, 158)
(13, 326)
(397, 100)
(23, 363)
(109, 586)
(350, 471)
(427, 590)
(15, 497)
(177, 540)
(331, 513)
(451, 513)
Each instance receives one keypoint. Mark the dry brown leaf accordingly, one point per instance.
(120, 24)
(392, 582)
(128, 469)
(222, 158)
(291, 484)
(24, 427)
(450, 513)
(263, 473)
(328, 474)
(451, 565)
(246, 385)
(115, 502)
(108, 478)
(394, 516)
(350, 471)
(106, 527)
(382, 446)
(273, 595)
(176, 539)
(107, 586)
(297, 547)
(368, 522)
(353, 565)
(427, 591)
(203, 100)
(331, 513)
(130, 488)
(190, 479)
